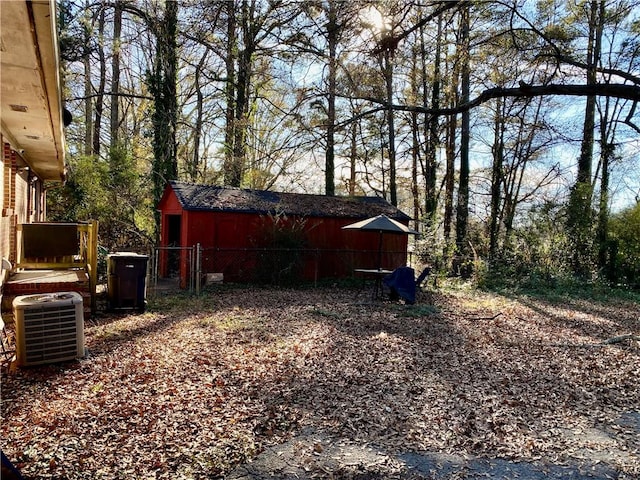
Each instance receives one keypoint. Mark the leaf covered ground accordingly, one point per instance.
(197, 386)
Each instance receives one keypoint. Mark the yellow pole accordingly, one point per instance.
(92, 260)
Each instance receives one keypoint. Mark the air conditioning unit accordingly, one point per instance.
(49, 328)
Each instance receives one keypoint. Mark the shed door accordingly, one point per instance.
(174, 229)
(174, 222)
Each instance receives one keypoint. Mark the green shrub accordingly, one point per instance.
(624, 234)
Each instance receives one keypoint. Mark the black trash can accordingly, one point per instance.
(126, 281)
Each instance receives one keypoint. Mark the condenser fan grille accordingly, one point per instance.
(49, 329)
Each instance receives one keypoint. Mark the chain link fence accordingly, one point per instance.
(190, 268)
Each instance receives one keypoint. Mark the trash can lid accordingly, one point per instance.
(126, 254)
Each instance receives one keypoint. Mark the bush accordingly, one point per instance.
(112, 191)
(624, 234)
(537, 252)
(283, 239)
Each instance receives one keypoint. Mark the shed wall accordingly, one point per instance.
(244, 246)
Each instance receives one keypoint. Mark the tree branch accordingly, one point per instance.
(565, 59)
(119, 94)
(628, 120)
(627, 92)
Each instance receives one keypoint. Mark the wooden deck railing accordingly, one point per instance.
(60, 246)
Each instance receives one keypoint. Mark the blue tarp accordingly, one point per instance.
(402, 284)
(9, 472)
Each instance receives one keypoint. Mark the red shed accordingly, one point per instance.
(242, 233)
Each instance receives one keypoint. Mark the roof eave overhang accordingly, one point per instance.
(31, 108)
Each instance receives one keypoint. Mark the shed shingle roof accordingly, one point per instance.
(214, 198)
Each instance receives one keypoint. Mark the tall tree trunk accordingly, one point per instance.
(88, 103)
(431, 195)
(99, 107)
(415, 136)
(579, 215)
(451, 122)
(115, 74)
(606, 261)
(462, 208)
(197, 135)
(234, 172)
(415, 161)
(353, 156)
(165, 115)
(230, 87)
(496, 179)
(449, 176)
(391, 131)
(332, 37)
(606, 154)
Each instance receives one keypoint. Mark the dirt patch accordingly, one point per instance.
(313, 454)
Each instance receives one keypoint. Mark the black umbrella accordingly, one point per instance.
(381, 224)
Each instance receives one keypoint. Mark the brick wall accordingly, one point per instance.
(13, 290)
(22, 200)
(8, 219)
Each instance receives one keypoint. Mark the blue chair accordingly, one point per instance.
(423, 277)
(9, 472)
(401, 283)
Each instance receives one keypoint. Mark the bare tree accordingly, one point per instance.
(102, 69)
(462, 207)
(115, 73)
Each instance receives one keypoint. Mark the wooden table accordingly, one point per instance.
(377, 274)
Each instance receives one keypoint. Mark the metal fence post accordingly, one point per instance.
(154, 274)
(191, 267)
(198, 267)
